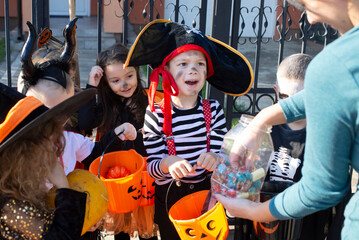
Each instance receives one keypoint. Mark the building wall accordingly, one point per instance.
(12, 8)
(112, 14)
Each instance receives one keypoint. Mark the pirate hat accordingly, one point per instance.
(20, 114)
(228, 70)
(161, 40)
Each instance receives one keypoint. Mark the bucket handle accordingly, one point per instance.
(168, 190)
(104, 151)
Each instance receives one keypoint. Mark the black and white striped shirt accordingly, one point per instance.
(189, 131)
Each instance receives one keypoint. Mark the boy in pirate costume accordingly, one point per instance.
(184, 133)
(50, 82)
(31, 140)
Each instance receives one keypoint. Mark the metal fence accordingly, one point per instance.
(227, 22)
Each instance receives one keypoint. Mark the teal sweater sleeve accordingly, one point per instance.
(330, 103)
(293, 107)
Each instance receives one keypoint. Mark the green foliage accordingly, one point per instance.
(234, 122)
(2, 49)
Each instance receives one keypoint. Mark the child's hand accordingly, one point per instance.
(129, 132)
(58, 176)
(208, 161)
(176, 166)
(95, 76)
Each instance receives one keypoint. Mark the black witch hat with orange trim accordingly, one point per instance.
(20, 114)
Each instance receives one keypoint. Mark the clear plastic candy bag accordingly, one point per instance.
(246, 180)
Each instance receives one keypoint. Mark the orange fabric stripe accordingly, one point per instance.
(17, 114)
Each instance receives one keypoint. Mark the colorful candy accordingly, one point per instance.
(239, 183)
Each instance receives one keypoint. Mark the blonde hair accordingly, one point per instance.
(26, 164)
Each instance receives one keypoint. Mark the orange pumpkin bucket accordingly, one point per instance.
(124, 193)
(186, 216)
(148, 188)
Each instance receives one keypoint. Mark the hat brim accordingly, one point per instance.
(65, 108)
(233, 73)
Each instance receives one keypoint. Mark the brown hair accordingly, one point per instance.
(26, 164)
(112, 103)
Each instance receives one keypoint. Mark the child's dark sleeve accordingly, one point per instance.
(90, 114)
(69, 215)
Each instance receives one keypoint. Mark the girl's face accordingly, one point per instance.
(189, 70)
(122, 81)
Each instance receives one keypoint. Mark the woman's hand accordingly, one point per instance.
(244, 208)
(128, 132)
(58, 177)
(208, 161)
(246, 145)
(95, 76)
(251, 137)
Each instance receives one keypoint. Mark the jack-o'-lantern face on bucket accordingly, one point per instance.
(213, 229)
(134, 192)
(190, 224)
(125, 192)
(148, 190)
(266, 227)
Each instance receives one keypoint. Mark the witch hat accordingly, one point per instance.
(20, 114)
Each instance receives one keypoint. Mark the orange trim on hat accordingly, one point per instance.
(132, 49)
(17, 114)
(244, 59)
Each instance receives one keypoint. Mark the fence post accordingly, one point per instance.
(40, 14)
(20, 36)
(99, 28)
(7, 41)
(220, 31)
(125, 23)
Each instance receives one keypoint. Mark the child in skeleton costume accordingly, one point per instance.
(184, 132)
(31, 140)
(285, 166)
(289, 139)
(49, 82)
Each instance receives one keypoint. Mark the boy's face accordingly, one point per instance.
(189, 70)
(123, 82)
(286, 87)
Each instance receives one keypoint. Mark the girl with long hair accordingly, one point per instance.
(121, 100)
